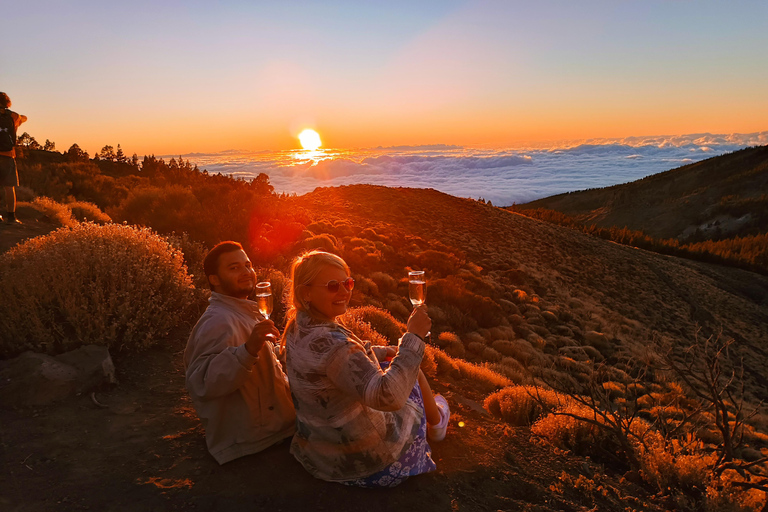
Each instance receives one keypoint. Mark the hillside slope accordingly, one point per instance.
(630, 294)
(720, 196)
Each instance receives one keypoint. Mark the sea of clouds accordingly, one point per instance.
(504, 176)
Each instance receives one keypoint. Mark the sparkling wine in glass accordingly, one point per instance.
(264, 299)
(417, 287)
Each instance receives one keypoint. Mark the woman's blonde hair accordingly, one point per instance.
(305, 268)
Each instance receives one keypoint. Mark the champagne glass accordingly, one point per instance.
(264, 299)
(265, 302)
(417, 289)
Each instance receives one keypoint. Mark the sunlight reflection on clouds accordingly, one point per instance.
(504, 176)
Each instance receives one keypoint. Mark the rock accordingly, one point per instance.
(33, 379)
(540, 330)
(93, 364)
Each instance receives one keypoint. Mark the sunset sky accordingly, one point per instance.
(180, 77)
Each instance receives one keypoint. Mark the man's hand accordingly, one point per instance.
(419, 322)
(259, 335)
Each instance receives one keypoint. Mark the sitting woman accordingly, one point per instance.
(358, 421)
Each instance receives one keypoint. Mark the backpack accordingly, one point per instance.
(7, 130)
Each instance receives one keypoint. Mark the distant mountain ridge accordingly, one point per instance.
(720, 197)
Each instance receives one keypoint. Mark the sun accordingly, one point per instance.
(310, 140)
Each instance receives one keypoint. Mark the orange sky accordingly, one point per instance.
(170, 80)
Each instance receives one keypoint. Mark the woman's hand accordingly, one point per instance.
(261, 332)
(419, 322)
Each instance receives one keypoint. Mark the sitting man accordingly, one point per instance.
(236, 383)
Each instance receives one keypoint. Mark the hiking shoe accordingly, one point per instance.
(437, 432)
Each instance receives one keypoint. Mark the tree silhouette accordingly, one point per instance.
(107, 153)
(75, 154)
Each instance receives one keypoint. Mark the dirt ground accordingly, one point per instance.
(146, 451)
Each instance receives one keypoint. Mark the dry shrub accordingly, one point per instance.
(474, 337)
(443, 362)
(521, 350)
(614, 389)
(490, 355)
(571, 433)
(112, 285)
(56, 212)
(456, 349)
(428, 362)
(516, 374)
(439, 263)
(724, 494)
(365, 286)
(361, 328)
(481, 375)
(445, 339)
(194, 253)
(323, 242)
(476, 347)
(398, 308)
(84, 211)
(519, 297)
(452, 291)
(385, 282)
(380, 320)
(505, 347)
(670, 465)
(523, 405)
(320, 227)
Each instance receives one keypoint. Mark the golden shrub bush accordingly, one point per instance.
(323, 242)
(362, 329)
(490, 355)
(476, 347)
(428, 362)
(113, 285)
(447, 338)
(84, 211)
(56, 212)
(516, 374)
(523, 405)
(385, 282)
(569, 432)
(395, 307)
(380, 320)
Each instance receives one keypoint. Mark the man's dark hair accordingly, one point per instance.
(4, 100)
(211, 261)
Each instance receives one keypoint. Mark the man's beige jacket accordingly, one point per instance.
(243, 401)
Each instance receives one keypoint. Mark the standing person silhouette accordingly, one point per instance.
(9, 176)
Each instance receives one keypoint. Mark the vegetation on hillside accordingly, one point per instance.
(540, 361)
(748, 252)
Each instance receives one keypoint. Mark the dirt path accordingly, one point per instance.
(146, 451)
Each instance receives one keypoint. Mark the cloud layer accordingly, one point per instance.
(503, 176)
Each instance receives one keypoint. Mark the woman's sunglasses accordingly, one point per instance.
(333, 285)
